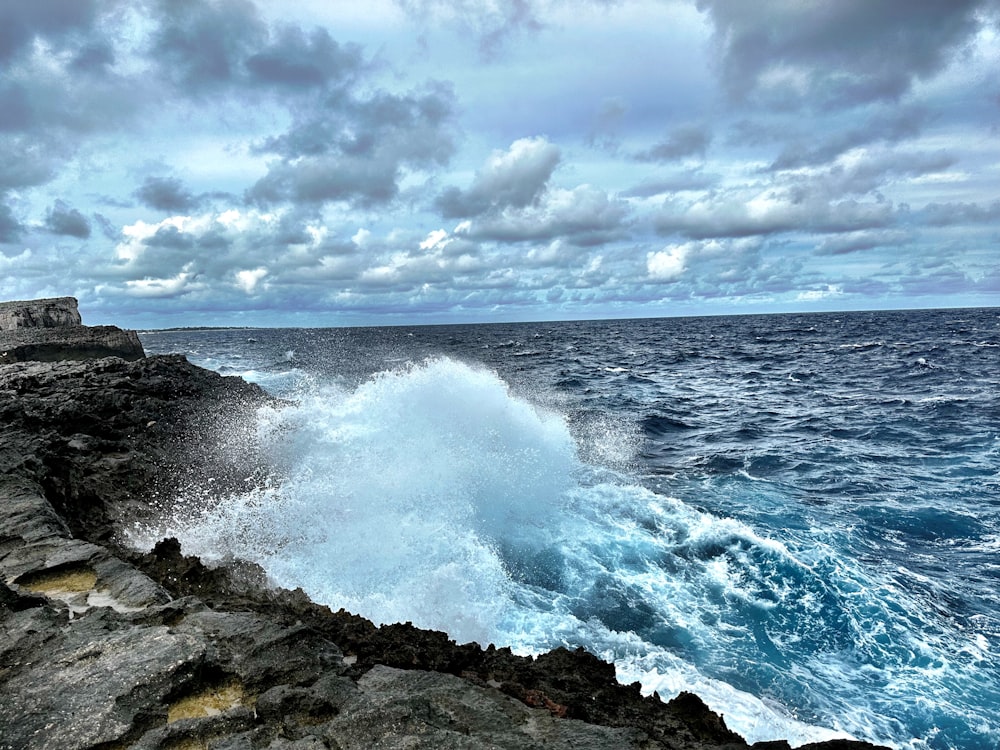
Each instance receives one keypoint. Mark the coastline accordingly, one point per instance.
(108, 645)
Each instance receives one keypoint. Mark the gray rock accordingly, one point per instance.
(51, 330)
(410, 709)
(69, 342)
(39, 313)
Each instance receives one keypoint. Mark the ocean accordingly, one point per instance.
(795, 516)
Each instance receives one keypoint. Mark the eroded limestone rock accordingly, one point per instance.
(51, 330)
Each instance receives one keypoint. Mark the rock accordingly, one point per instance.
(107, 646)
(51, 330)
(39, 313)
(71, 342)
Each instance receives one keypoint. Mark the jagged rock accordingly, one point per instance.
(51, 330)
(109, 647)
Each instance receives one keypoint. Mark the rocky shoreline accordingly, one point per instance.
(107, 647)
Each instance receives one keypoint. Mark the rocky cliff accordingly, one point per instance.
(51, 330)
(105, 646)
(40, 313)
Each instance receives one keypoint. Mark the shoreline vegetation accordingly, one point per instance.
(106, 646)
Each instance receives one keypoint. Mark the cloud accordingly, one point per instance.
(825, 292)
(63, 220)
(673, 183)
(10, 228)
(183, 283)
(356, 151)
(28, 161)
(297, 60)
(166, 194)
(247, 280)
(515, 178)
(493, 23)
(56, 21)
(203, 45)
(853, 242)
(667, 264)
(170, 238)
(947, 214)
(584, 215)
(687, 140)
(761, 211)
(322, 179)
(898, 124)
(836, 54)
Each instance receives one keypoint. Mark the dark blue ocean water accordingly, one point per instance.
(796, 516)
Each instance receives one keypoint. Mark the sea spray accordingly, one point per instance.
(431, 494)
(394, 498)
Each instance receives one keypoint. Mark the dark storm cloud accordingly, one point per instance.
(23, 21)
(328, 178)
(10, 228)
(687, 140)
(16, 111)
(203, 45)
(299, 60)
(364, 139)
(63, 220)
(226, 45)
(28, 161)
(166, 194)
(171, 238)
(95, 57)
(836, 54)
(354, 149)
(515, 179)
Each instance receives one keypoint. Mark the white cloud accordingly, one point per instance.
(667, 264)
(814, 295)
(182, 283)
(438, 238)
(247, 280)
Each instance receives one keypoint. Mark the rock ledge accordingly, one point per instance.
(51, 330)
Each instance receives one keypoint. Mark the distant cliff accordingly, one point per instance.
(39, 313)
(51, 330)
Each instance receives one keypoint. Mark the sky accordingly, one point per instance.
(333, 162)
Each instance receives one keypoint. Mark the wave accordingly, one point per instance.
(433, 494)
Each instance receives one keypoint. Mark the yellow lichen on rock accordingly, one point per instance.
(210, 702)
(60, 581)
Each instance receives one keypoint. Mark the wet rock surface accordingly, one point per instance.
(103, 646)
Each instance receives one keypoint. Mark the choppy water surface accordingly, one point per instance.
(796, 516)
